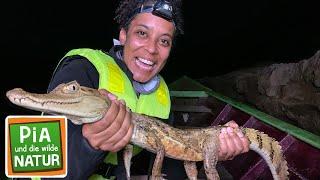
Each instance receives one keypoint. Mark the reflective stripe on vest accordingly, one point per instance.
(113, 79)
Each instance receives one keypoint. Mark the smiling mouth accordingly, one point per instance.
(144, 63)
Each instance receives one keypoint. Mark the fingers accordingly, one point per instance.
(244, 141)
(232, 142)
(120, 138)
(118, 117)
(106, 93)
(110, 115)
(114, 130)
(106, 121)
(223, 150)
(231, 145)
(239, 139)
(103, 92)
(232, 124)
(123, 141)
(119, 128)
(228, 147)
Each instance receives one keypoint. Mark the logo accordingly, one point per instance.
(36, 146)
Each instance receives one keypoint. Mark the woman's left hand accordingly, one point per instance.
(232, 142)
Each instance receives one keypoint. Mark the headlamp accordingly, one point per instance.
(163, 8)
(160, 8)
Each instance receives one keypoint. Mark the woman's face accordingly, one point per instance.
(147, 45)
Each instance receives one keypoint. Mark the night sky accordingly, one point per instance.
(219, 38)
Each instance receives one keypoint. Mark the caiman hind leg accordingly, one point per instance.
(210, 154)
(191, 169)
(157, 165)
(127, 155)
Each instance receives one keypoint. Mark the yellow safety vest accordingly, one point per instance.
(114, 80)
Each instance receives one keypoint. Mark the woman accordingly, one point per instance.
(129, 75)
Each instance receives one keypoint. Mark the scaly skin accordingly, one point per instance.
(84, 105)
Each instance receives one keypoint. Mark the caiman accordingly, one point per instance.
(85, 105)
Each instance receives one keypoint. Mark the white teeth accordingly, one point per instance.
(146, 61)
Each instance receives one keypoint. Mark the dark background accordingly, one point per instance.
(219, 37)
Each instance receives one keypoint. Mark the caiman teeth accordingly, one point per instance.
(43, 103)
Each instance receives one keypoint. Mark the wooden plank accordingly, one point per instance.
(190, 108)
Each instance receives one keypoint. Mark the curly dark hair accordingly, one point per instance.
(126, 8)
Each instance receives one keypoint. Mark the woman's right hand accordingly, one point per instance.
(114, 130)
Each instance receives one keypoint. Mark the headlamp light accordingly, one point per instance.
(160, 8)
(163, 8)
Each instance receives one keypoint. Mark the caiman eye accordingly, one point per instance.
(72, 88)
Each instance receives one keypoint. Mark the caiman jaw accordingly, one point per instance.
(20, 97)
(71, 107)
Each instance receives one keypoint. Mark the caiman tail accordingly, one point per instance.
(270, 150)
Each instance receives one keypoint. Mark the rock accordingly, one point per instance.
(290, 92)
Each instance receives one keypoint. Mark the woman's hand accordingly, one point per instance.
(232, 142)
(114, 130)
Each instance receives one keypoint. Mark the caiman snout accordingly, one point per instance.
(16, 93)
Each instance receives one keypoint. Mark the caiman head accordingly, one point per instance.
(78, 103)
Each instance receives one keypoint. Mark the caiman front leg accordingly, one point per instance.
(127, 155)
(191, 169)
(211, 158)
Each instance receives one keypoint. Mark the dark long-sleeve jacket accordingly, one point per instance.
(82, 158)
